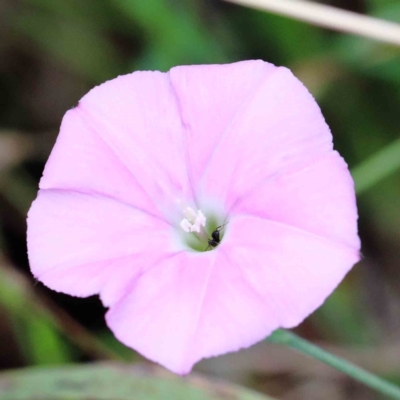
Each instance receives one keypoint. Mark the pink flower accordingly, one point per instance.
(149, 164)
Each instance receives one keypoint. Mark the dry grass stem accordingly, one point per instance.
(330, 17)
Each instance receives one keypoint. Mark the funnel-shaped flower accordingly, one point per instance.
(151, 169)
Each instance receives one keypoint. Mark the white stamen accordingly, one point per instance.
(189, 213)
(186, 225)
(201, 218)
(193, 221)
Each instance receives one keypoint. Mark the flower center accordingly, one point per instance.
(201, 233)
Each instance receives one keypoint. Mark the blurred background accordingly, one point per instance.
(53, 52)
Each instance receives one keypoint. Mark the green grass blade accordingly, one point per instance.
(377, 167)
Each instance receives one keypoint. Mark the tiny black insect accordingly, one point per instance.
(215, 241)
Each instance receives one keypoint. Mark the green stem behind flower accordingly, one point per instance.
(295, 342)
(377, 167)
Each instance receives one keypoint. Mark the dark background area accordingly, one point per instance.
(53, 52)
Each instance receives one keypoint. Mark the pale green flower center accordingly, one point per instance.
(200, 231)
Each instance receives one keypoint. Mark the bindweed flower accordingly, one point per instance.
(206, 206)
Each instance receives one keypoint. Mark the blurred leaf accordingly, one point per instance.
(19, 189)
(37, 338)
(363, 116)
(42, 344)
(118, 349)
(344, 318)
(80, 47)
(377, 167)
(94, 13)
(41, 327)
(371, 57)
(362, 122)
(376, 5)
(112, 382)
(173, 34)
(276, 38)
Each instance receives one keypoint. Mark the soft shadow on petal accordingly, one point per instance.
(294, 271)
(267, 275)
(210, 97)
(159, 316)
(82, 161)
(79, 243)
(280, 127)
(318, 198)
(192, 306)
(137, 116)
(264, 275)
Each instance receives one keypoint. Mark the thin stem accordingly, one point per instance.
(377, 167)
(330, 17)
(295, 342)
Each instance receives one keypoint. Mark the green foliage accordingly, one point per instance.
(369, 57)
(343, 317)
(373, 381)
(377, 167)
(82, 48)
(114, 382)
(39, 340)
(172, 34)
(278, 38)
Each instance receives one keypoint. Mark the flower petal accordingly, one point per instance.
(91, 242)
(159, 316)
(210, 97)
(137, 116)
(318, 198)
(290, 268)
(279, 127)
(264, 275)
(83, 162)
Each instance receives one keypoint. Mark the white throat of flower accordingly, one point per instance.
(193, 221)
